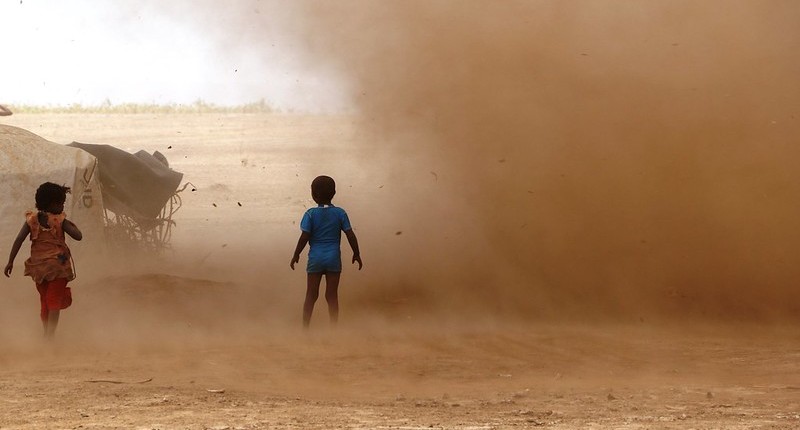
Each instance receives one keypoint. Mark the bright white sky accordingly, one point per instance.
(57, 52)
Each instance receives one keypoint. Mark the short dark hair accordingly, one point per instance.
(49, 193)
(323, 188)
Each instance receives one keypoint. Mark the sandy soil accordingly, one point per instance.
(207, 335)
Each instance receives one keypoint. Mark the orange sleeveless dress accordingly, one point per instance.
(50, 264)
(50, 256)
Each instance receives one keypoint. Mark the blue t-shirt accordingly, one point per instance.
(325, 224)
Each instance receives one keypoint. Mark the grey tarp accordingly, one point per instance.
(137, 185)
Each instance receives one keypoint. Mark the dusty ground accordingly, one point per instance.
(557, 377)
(207, 336)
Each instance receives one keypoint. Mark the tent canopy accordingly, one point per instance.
(137, 185)
(28, 160)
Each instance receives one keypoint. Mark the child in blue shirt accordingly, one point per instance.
(321, 228)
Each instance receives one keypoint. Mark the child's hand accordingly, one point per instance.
(358, 258)
(7, 271)
(295, 259)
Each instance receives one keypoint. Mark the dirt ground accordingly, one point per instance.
(208, 336)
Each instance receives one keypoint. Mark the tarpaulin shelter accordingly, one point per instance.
(140, 191)
(137, 185)
(28, 160)
(118, 199)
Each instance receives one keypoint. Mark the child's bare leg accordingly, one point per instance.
(44, 316)
(332, 295)
(52, 323)
(312, 294)
(43, 313)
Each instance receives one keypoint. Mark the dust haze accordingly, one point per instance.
(525, 160)
(514, 171)
(518, 160)
(581, 158)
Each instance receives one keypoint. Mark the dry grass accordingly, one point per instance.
(199, 106)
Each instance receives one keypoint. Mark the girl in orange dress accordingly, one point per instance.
(50, 264)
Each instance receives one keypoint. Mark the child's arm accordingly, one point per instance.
(71, 229)
(301, 243)
(351, 239)
(23, 233)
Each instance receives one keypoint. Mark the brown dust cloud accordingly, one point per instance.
(581, 159)
(520, 159)
(555, 160)
(544, 193)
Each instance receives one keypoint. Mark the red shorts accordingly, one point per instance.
(54, 295)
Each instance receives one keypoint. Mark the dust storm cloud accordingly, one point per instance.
(560, 158)
(574, 158)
